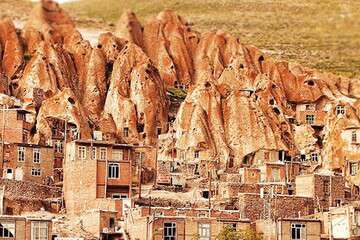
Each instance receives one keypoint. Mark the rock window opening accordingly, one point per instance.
(126, 132)
(276, 110)
(196, 154)
(158, 131)
(310, 82)
(205, 194)
(231, 162)
(71, 100)
(140, 127)
(111, 222)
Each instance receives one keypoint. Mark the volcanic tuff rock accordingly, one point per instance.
(170, 43)
(239, 101)
(49, 70)
(47, 22)
(90, 65)
(12, 50)
(64, 105)
(129, 28)
(136, 97)
(111, 47)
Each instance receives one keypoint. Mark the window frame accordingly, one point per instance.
(36, 154)
(36, 172)
(126, 132)
(297, 229)
(102, 155)
(340, 110)
(82, 149)
(119, 152)
(111, 166)
(314, 157)
(59, 146)
(21, 152)
(93, 153)
(354, 136)
(2, 229)
(39, 226)
(169, 231)
(310, 118)
(120, 196)
(196, 154)
(276, 177)
(202, 229)
(353, 171)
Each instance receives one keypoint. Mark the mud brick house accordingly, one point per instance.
(273, 172)
(341, 222)
(249, 175)
(25, 227)
(61, 131)
(28, 162)
(289, 228)
(14, 125)
(181, 223)
(97, 175)
(102, 224)
(312, 113)
(327, 190)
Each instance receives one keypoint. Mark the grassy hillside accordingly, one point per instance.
(323, 34)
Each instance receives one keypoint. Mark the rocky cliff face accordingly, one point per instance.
(170, 43)
(136, 97)
(239, 101)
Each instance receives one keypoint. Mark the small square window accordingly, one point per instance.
(36, 172)
(196, 154)
(310, 119)
(340, 110)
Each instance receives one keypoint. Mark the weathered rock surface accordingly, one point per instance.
(12, 49)
(239, 100)
(64, 105)
(136, 97)
(49, 70)
(47, 22)
(129, 28)
(170, 43)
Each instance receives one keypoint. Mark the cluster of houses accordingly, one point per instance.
(112, 190)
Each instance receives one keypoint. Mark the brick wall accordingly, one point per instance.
(282, 206)
(22, 170)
